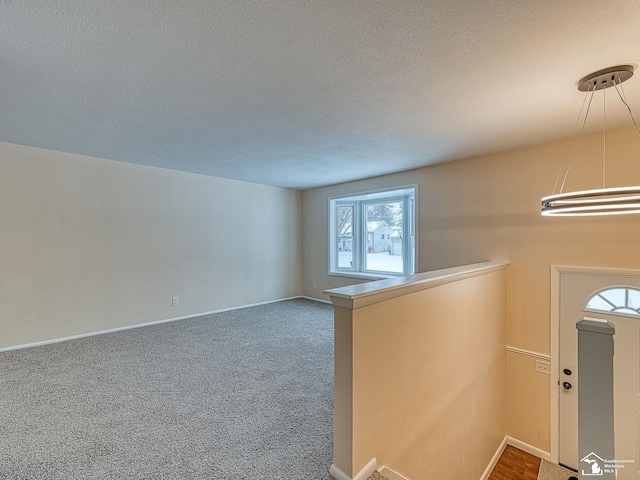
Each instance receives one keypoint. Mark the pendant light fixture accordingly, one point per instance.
(600, 201)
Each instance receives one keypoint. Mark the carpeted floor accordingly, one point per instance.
(552, 471)
(246, 394)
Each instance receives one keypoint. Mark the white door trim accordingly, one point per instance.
(556, 272)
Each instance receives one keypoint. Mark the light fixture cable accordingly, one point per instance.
(604, 137)
(602, 201)
(575, 150)
(623, 97)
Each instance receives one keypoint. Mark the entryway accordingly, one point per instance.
(607, 295)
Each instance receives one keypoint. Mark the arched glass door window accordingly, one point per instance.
(620, 300)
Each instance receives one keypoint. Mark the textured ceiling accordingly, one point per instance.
(301, 93)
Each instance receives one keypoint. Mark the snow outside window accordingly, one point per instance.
(373, 234)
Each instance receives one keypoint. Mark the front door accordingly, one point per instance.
(627, 396)
(576, 289)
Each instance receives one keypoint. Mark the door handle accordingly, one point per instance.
(566, 385)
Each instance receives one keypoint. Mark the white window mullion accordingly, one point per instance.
(359, 238)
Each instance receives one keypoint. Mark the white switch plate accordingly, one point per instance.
(175, 301)
(543, 367)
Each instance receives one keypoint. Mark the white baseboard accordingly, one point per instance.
(387, 472)
(494, 459)
(139, 325)
(321, 300)
(363, 474)
(525, 447)
(514, 442)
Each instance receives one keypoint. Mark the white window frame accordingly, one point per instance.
(615, 309)
(406, 194)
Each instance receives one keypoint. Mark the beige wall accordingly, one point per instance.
(427, 394)
(488, 208)
(89, 244)
(526, 392)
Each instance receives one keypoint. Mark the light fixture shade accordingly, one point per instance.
(603, 201)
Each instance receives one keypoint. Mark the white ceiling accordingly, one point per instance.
(302, 93)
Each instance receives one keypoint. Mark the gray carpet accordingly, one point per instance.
(246, 394)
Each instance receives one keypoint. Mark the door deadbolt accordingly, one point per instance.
(566, 371)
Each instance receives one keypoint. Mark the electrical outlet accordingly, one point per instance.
(543, 367)
(315, 286)
(175, 301)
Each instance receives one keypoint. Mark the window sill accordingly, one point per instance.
(363, 276)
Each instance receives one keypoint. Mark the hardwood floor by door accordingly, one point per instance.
(514, 464)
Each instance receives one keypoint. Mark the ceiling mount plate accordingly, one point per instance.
(606, 78)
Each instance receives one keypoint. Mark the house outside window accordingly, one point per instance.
(373, 234)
